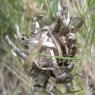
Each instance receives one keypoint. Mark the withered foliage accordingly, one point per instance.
(47, 48)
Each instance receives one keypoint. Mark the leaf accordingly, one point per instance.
(55, 6)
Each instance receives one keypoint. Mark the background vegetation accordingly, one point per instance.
(13, 80)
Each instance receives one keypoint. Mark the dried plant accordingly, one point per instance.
(50, 50)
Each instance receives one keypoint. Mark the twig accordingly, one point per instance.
(43, 68)
(15, 49)
(19, 35)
